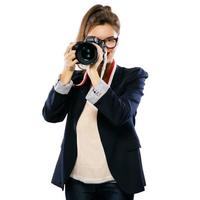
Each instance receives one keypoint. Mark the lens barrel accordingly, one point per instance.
(86, 53)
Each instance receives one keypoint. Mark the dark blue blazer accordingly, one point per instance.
(117, 109)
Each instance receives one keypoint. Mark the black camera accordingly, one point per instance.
(86, 52)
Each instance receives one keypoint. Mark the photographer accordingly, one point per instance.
(100, 152)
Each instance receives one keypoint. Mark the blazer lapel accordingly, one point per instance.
(80, 98)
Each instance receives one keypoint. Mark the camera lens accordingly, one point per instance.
(86, 53)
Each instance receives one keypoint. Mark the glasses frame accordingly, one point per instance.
(104, 41)
(115, 38)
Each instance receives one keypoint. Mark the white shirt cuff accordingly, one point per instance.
(63, 89)
(96, 93)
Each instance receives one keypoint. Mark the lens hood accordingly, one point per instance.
(86, 53)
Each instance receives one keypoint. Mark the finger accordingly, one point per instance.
(70, 55)
(72, 52)
(67, 50)
(99, 49)
(71, 65)
(71, 44)
(74, 62)
(100, 52)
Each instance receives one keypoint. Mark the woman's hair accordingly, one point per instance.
(97, 15)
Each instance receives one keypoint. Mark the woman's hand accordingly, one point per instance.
(69, 64)
(100, 58)
(69, 58)
(92, 70)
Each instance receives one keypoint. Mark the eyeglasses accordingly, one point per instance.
(109, 42)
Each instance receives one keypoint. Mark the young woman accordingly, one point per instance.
(100, 152)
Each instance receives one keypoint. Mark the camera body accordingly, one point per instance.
(86, 52)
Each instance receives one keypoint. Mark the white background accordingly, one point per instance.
(160, 36)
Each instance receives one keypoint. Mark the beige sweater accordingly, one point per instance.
(91, 165)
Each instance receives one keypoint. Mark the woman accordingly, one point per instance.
(100, 152)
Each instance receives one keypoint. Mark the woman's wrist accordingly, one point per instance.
(94, 76)
(65, 76)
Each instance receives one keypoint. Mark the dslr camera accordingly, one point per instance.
(86, 52)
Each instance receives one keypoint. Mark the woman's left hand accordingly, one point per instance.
(92, 69)
(99, 61)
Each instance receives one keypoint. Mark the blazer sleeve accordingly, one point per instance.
(58, 103)
(119, 109)
(56, 106)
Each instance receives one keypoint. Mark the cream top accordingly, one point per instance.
(91, 164)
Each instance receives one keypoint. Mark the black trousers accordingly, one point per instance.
(77, 190)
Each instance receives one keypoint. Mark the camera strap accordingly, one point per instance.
(104, 63)
(83, 80)
(85, 76)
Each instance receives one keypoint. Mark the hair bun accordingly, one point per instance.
(108, 8)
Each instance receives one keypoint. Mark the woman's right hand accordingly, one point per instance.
(69, 64)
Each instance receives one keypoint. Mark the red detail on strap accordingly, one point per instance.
(109, 72)
(85, 76)
(84, 79)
